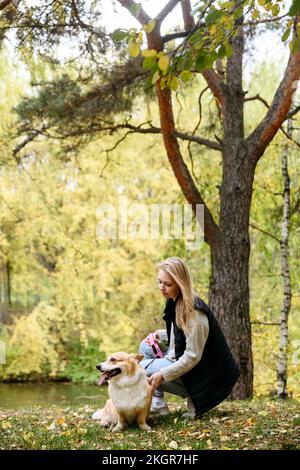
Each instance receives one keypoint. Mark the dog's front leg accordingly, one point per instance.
(141, 420)
(121, 423)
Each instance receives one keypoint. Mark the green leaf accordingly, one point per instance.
(238, 13)
(286, 35)
(275, 10)
(186, 75)
(255, 14)
(200, 63)
(149, 63)
(212, 17)
(222, 51)
(294, 45)
(227, 5)
(229, 50)
(295, 8)
(119, 35)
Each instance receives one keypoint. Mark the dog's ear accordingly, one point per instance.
(137, 357)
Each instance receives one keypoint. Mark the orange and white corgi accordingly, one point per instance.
(128, 389)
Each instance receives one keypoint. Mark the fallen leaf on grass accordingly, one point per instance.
(209, 444)
(6, 425)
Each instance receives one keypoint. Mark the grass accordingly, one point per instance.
(255, 424)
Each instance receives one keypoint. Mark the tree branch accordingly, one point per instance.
(212, 79)
(292, 113)
(259, 139)
(199, 140)
(171, 36)
(29, 138)
(265, 20)
(289, 115)
(188, 18)
(4, 4)
(166, 10)
(266, 233)
(136, 10)
(143, 18)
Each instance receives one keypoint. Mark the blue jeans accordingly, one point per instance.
(153, 364)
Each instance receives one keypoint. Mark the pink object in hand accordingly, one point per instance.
(155, 348)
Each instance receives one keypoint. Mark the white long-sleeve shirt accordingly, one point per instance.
(195, 342)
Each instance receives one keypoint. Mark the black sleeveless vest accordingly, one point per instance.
(212, 379)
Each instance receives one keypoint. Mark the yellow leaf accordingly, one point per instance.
(163, 63)
(149, 53)
(60, 420)
(213, 30)
(6, 425)
(155, 78)
(209, 444)
(174, 83)
(140, 37)
(134, 49)
(148, 28)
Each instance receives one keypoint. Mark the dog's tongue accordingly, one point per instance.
(102, 378)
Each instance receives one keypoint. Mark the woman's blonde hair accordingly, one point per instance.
(179, 272)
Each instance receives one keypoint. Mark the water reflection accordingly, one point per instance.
(25, 395)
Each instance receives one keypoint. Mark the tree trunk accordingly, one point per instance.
(8, 274)
(287, 296)
(229, 299)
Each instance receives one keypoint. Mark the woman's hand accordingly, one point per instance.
(155, 380)
(156, 334)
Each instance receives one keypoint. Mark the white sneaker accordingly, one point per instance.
(159, 410)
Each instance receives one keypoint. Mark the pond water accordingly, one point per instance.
(26, 395)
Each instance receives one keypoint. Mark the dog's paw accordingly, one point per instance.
(97, 414)
(104, 423)
(117, 428)
(145, 427)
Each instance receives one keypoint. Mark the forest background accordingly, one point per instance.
(68, 297)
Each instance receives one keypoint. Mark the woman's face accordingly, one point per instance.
(167, 286)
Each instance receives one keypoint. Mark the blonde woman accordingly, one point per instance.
(198, 364)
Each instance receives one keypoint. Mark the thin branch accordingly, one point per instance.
(199, 140)
(17, 218)
(266, 233)
(266, 20)
(256, 322)
(166, 10)
(292, 113)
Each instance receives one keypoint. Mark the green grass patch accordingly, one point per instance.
(255, 424)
